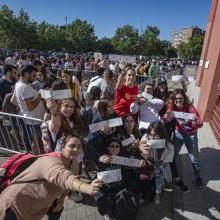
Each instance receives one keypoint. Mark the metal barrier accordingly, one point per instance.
(141, 79)
(20, 134)
(88, 74)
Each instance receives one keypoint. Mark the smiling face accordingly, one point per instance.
(72, 148)
(130, 77)
(67, 108)
(179, 101)
(114, 148)
(66, 78)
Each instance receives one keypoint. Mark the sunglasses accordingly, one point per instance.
(114, 146)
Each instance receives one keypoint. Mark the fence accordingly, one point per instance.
(20, 134)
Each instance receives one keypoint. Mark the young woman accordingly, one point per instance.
(185, 133)
(67, 78)
(41, 80)
(160, 157)
(65, 118)
(128, 129)
(126, 91)
(98, 141)
(148, 109)
(51, 178)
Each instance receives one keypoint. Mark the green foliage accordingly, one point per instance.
(105, 46)
(17, 32)
(20, 32)
(191, 49)
(126, 40)
(150, 44)
(80, 36)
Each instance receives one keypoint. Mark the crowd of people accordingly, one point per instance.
(111, 93)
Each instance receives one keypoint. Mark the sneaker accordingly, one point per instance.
(199, 183)
(109, 216)
(76, 196)
(182, 186)
(157, 199)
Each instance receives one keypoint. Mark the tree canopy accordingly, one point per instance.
(20, 32)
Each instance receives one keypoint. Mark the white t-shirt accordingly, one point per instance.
(97, 81)
(24, 91)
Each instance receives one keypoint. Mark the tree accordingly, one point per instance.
(105, 45)
(7, 27)
(17, 32)
(191, 49)
(167, 50)
(150, 42)
(25, 31)
(125, 40)
(80, 36)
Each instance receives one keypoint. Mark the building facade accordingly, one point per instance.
(184, 34)
(208, 75)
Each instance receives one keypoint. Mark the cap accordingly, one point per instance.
(161, 81)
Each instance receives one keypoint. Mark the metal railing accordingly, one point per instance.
(20, 134)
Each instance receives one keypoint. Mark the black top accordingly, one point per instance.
(5, 87)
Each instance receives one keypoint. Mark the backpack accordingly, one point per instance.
(125, 205)
(16, 164)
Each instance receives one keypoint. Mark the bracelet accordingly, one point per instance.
(79, 187)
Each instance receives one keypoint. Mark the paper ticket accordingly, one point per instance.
(176, 78)
(128, 141)
(183, 115)
(125, 161)
(108, 123)
(110, 176)
(56, 94)
(143, 124)
(156, 144)
(147, 95)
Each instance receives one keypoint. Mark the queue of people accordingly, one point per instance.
(67, 131)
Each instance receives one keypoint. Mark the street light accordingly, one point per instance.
(66, 34)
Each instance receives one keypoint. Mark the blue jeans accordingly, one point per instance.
(159, 178)
(191, 143)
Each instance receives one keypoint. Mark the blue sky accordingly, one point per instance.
(107, 15)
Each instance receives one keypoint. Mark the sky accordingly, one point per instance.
(107, 15)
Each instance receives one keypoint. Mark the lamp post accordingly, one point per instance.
(66, 33)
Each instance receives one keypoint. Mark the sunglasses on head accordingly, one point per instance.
(114, 146)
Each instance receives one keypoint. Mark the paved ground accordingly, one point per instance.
(200, 204)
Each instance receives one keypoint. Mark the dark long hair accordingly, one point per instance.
(75, 118)
(159, 128)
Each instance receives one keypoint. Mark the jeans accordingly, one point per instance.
(191, 143)
(159, 178)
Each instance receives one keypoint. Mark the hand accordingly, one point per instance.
(142, 163)
(105, 130)
(95, 186)
(51, 105)
(167, 117)
(193, 123)
(145, 149)
(123, 66)
(105, 158)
